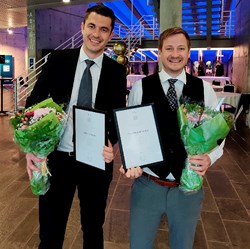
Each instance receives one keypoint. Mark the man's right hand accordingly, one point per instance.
(131, 173)
(30, 159)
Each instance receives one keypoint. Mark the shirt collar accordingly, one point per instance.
(164, 76)
(83, 56)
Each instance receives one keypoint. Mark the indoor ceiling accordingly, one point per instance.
(13, 12)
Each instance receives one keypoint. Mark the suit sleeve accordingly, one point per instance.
(41, 88)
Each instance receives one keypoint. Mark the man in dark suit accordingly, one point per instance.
(60, 79)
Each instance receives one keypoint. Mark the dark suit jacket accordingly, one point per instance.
(57, 78)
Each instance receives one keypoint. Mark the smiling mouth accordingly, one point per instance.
(177, 60)
(95, 41)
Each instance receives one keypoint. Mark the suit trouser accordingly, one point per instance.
(149, 201)
(54, 207)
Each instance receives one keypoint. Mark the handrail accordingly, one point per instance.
(21, 93)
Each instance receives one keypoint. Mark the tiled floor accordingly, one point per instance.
(224, 222)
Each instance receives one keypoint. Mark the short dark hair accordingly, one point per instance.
(173, 31)
(101, 10)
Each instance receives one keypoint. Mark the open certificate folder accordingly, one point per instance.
(89, 136)
(138, 136)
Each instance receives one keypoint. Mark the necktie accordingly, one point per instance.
(85, 89)
(171, 95)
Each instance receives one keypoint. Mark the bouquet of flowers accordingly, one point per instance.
(37, 130)
(201, 129)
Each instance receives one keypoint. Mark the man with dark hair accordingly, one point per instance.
(60, 79)
(155, 191)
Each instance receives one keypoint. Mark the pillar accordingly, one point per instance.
(170, 14)
(31, 21)
(241, 57)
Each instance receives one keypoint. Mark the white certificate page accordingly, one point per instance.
(89, 137)
(138, 136)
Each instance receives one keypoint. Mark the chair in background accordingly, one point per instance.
(237, 114)
(227, 107)
(235, 111)
(229, 88)
(245, 103)
(243, 108)
(216, 83)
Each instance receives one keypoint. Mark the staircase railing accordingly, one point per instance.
(146, 27)
(21, 91)
(227, 25)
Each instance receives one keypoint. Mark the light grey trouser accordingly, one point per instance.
(149, 201)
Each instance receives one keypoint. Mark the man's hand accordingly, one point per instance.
(132, 172)
(30, 159)
(108, 153)
(203, 162)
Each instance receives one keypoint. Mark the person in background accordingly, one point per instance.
(60, 79)
(156, 68)
(219, 68)
(155, 190)
(144, 68)
(201, 71)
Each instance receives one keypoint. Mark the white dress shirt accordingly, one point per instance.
(66, 143)
(210, 100)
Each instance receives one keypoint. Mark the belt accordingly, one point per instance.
(164, 183)
(70, 154)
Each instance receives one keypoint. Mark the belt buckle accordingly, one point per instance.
(71, 153)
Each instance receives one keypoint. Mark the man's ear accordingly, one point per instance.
(111, 35)
(82, 26)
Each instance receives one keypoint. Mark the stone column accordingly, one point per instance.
(241, 57)
(170, 14)
(209, 23)
(31, 21)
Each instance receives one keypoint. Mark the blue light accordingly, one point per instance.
(194, 15)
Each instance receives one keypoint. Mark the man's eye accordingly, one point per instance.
(104, 30)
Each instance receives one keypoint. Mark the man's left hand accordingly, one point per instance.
(202, 163)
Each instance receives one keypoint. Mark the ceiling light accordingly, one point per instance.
(66, 1)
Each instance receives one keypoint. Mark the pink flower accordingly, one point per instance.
(40, 112)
